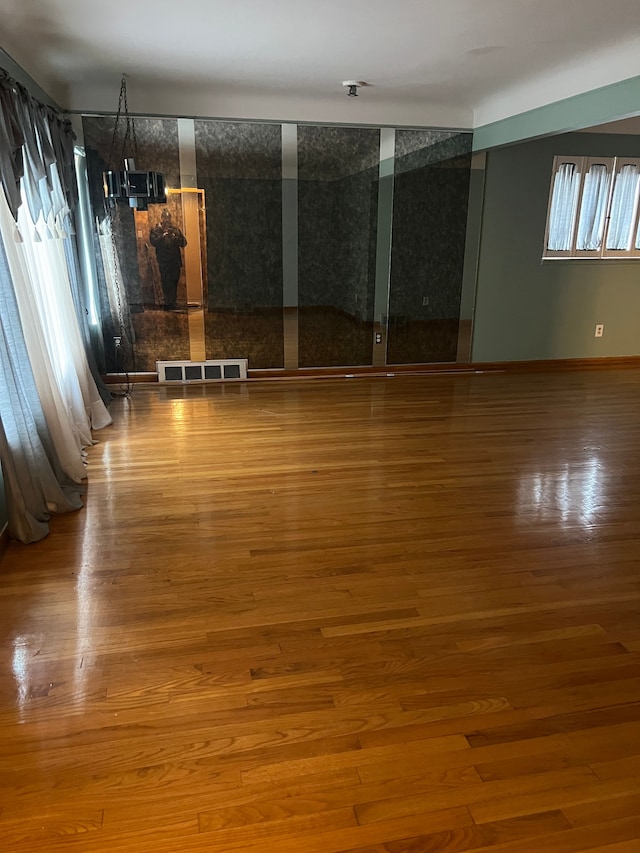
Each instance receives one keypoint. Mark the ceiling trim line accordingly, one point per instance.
(309, 123)
(598, 106)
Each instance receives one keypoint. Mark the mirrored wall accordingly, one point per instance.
(337, 219)
(289, 245)
(430, 199)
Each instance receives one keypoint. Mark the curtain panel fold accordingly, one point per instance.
(34, 479)
(51, 397)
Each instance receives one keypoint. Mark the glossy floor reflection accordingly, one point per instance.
(369, 615)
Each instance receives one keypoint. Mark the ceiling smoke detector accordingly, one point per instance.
(352, 87)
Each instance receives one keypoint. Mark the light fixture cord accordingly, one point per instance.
(130, 127)
(130, 134)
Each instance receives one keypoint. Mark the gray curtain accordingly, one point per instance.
(32, 137)
(11, 142)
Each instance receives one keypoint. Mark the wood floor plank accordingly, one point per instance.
(620, 806)
(515, 803)
(421, 753)
(384, 616)
(487, 801)
(484, 837)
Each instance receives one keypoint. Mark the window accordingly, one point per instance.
(593, 208)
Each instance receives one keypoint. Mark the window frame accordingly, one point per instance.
(558, 161)
(583, 164)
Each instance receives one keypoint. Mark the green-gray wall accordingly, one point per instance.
(526, 309)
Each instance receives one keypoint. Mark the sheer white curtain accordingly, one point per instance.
(34, 479)
(623, 207)
(564, 205)
(593, 209)
(70, 398)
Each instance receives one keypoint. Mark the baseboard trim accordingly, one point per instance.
(128, 378)
(261, 374)
(450, 367)
(560, 364)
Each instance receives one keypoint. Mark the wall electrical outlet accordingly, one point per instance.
(117, 341)
(599, 330)
(425, 301)
(378, 337)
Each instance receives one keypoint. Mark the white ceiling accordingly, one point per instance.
(454, 63)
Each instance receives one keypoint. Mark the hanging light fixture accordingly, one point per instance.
(137, 187)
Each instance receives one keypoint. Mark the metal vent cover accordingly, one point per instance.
(214, 370)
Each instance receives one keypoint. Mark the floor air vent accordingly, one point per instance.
(202, 371)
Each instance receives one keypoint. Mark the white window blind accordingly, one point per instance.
(623, 208)
(564, 206)
(593, 208)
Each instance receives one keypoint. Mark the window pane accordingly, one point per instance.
(623, 208)
(593, 208)
(564, 203)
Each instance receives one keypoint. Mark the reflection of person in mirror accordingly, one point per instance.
(168, 240)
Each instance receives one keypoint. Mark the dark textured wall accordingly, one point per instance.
(431, 191)
(240, 168)
(417, 148)
(337, 216)
(157, 144)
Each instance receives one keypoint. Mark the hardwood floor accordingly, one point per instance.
(369, 615)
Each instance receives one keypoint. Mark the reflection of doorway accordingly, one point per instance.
(186, 208)
(193, 216)
(191, 201)
(178, 333)
(153, 297)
